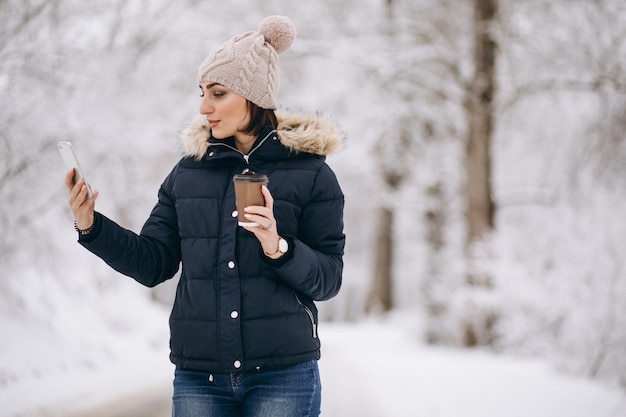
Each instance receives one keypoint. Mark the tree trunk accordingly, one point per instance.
(479, 106)
(479, 318)
(380, 297)
(435, 220)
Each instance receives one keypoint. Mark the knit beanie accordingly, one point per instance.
(248, 63)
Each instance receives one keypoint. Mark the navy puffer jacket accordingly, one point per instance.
(235, 308)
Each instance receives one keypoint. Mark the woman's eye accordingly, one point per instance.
(216, 94)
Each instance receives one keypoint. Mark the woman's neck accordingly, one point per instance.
(244, 142)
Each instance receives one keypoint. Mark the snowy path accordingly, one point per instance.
(380, 369)
(150, 403)
(344, 389)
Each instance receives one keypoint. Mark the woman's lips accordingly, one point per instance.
(213, 123)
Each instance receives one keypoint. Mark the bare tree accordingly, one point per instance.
(25, 53)
(392, 171)
(480, 113)
(380, 297)
(426, 46)
(46, 74)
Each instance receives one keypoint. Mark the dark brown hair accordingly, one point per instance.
(259, 118)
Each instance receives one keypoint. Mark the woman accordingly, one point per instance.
(244, 324)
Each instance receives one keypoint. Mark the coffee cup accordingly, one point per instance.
(248, 193)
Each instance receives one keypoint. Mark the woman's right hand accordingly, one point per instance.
(82, 206)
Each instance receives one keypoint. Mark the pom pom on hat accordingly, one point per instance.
(278, 31)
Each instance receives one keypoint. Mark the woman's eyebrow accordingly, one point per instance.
(210, 85)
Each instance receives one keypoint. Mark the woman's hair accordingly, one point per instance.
(259, 118)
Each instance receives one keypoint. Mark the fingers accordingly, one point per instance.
(264, 223)
(256, 213)
(269, 200)
(263, 215)
(266, 231)
(78, 196)
(267, 236)
(77, 191)
(69, 179)
(82, 206)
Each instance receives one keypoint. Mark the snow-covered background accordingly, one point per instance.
(118, 79)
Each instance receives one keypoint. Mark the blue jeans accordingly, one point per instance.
(281, 391)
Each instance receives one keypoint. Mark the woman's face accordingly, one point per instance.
(226, 111)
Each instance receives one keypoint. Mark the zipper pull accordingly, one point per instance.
(246, 158)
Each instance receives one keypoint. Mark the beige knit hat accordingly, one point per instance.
(248, 63)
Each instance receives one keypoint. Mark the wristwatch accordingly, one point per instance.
(283, 247)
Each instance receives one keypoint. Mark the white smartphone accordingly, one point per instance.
(69, 156)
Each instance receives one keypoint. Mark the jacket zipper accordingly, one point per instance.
(310, 314)
(245, 157)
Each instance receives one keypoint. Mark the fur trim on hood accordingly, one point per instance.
(298, 132)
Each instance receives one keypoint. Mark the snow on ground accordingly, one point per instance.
(69, 345)
(383, 369)
(373, 368)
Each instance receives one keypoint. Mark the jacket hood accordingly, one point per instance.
(296, 131)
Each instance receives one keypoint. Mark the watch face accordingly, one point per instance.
(283, 246)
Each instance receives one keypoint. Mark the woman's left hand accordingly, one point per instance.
(266, 232)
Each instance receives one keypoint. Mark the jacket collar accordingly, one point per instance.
(297, 132)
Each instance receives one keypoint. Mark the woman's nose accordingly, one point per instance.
(205, 106)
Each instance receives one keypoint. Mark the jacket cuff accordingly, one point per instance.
(97, 218)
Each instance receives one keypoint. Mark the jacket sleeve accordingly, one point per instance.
(151, 257)
(315, 267)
